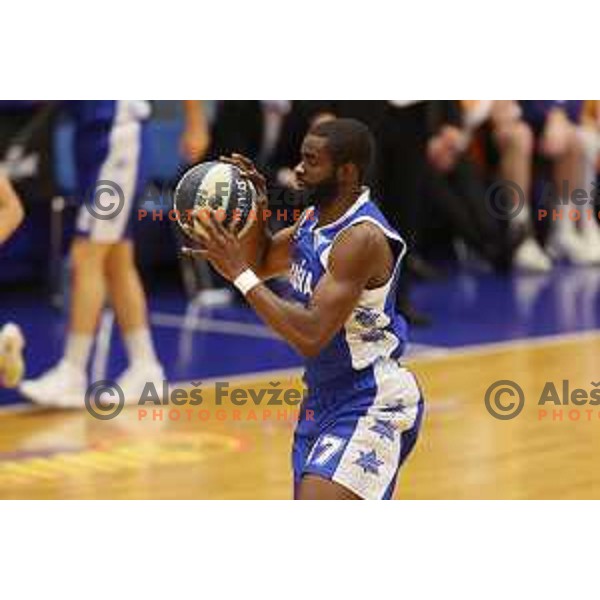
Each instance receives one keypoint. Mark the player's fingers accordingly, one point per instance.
(248, 171)
(194, 252)
(198, 230)
(244, 160)
(232, 161)
(257, 180)
(233, 224)
(221, 232)
(215, 229)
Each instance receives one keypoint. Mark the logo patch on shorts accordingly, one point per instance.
(369, 462)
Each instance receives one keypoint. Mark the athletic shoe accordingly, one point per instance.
(136, 377)
(12, 365)
(530, 257)
(63, 386)
(570, 247)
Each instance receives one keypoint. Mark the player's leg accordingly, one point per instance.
(565, 148)
(88, 294)
(129, 302)
(515, 145)
(590, 228)
(66, 382)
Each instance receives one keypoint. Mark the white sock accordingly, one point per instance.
(589, 222)
(140, 347)
(564, 226)
(591, 146)
(78, 349)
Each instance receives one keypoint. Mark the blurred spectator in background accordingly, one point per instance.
(455, 186)
(590, 135)
(556, 127)
(508, 144)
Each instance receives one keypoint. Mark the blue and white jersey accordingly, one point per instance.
(374, 330)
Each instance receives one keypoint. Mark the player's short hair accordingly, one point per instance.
(349, 141)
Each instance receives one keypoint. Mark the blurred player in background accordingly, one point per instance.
(12, 342)
(363, 412)
(111, 157)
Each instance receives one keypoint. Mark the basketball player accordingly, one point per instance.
(343, 261)
(110, 147)
(12, 342)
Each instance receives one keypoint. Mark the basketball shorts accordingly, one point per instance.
(111, 163)
(359, 432)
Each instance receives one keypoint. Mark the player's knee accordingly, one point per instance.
(87, 255)
(121, 258)
(521, 138)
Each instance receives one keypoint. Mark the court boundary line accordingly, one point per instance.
(427, 356)
(206, 324)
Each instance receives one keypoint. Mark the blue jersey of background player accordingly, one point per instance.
(363, 411)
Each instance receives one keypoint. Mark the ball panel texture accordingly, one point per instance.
(213, 186)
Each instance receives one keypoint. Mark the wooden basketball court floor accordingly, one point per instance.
(463, 452)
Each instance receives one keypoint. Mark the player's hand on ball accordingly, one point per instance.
(222, 248)
(248, 170)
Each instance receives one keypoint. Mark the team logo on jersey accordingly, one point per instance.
(301, 279)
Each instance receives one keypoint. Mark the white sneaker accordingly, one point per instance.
(529, 256)
(137, 376)
(12, 365)
(63, 386)
(570, 247)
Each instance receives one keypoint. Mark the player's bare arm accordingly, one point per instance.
(11, 210)
(360, 258)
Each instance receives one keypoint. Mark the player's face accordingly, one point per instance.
(316, 173)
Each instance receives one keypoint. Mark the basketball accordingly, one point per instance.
(213, 187)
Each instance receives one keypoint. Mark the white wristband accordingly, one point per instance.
(246, 281)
